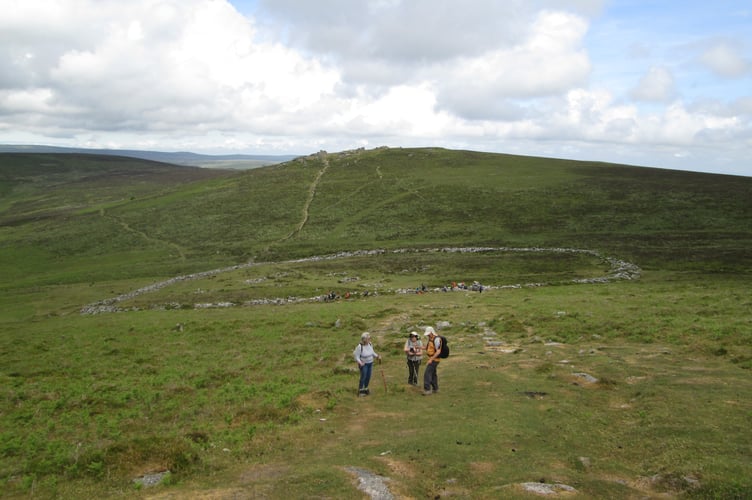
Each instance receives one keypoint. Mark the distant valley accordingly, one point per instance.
(234, 161)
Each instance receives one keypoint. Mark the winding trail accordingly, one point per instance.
(618, 270)
(311, 194)
(141, 234)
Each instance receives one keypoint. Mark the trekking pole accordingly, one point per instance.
(383, 377)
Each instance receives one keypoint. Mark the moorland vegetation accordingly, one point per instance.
(220, 385)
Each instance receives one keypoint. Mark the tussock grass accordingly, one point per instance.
(621, 390)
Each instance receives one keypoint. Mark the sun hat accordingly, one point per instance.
(413, 334)
(365, 335)
(429, 331)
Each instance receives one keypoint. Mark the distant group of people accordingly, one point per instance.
(475, 287)
(365, 355)
(333, 296)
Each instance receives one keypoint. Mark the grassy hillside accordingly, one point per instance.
(225, 370)
(56, 208)
(387, 198)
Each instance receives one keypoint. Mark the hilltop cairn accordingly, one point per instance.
(618, 270)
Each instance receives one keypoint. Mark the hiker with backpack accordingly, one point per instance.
(433, 351)
(414, 352)
(364, 355)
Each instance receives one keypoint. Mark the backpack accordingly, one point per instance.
(444, 347)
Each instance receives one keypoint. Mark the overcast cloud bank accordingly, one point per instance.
(628, 82)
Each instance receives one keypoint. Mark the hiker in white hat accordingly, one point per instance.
(432, 350)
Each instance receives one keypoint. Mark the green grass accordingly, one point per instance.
(138, 393)
(394, 199)
(260, 400)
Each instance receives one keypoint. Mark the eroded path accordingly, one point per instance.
(141, 234)
(311, 196)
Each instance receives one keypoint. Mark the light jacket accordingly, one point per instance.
(364, 353)
(417, 346)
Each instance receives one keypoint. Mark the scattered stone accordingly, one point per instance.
(588, 378)
(443, 325)
(371, 484)
(671, 482)
(503, 349)
(254, 281)
(692, 481)
(548, 489)
(149, 480)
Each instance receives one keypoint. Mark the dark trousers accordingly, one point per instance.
(431, 377)
(413, 367)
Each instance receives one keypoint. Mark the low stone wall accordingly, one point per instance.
(618, 270)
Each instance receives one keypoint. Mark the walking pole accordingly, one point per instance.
(383, 377)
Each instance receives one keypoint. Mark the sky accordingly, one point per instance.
(663, 83)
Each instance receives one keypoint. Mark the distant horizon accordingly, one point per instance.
(161, 151)
(660, 84)
(289, 157)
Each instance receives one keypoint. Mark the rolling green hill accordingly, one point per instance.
(225, 370)
(178, 219)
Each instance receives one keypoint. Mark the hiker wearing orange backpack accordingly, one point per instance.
(432, 350)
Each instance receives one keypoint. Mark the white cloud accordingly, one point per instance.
(300, 76)
(549, 60)
(191, 65)
(25, 101)
(657, 86)
(726, 60)
(414, 31)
